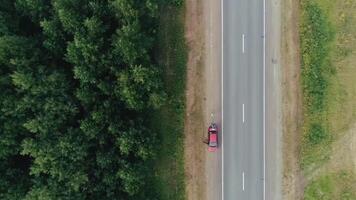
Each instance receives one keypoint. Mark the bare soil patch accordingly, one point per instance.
(194, 119)
(293, 180)
(342, 157)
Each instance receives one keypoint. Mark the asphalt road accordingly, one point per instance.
(243, 100)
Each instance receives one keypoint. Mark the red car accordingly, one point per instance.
(212, 137)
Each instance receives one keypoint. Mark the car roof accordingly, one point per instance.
(213, 137)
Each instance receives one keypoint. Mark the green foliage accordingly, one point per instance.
(36, 9)
(14, 182)
(132, 179)
(78, 79)
(320, 189)
(169, 121)
(334, 186)
(134, 141)
(316, 34)
(177, 3)
(55, 37)
(316, 134)
(136, 85)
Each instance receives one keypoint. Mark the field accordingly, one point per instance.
(328, 44)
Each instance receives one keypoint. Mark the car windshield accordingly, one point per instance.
(212, 144)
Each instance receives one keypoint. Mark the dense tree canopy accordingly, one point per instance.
(77, 78)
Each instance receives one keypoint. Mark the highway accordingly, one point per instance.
(243, 97)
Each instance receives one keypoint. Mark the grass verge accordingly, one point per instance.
(334, 186)
(169, 121)
(328, 43)
(316, 35)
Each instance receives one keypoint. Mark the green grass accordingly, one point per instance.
(327, 31)
(316, 36)
(328, 43)
(338, 186)
(169, 120)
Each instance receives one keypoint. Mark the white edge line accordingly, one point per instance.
(222, 98)
(264, 99)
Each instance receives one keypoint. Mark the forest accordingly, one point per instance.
(78, 79)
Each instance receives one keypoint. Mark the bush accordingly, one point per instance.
(316, 134)
(315, 37)
(316, 34)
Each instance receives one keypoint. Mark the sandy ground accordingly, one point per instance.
(293, 180)
(194, 155)
(342, 157)
(212, 73)
(203, 169)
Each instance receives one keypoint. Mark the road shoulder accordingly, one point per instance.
(194, 148)
(293, 180)
(203, 30)
(274, 164)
